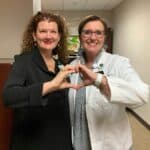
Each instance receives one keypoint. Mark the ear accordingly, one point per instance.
(79, 37)
(59, 37)
(34, 36)
(105, 38)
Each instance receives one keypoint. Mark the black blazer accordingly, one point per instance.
(41, 122)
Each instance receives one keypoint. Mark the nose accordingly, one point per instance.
(93, 35)
(48, 34)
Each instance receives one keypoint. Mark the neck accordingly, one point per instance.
(90, 58)
(47, 55)
(49, 60)
(89, 61)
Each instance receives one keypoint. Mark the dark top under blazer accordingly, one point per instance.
(41, 122)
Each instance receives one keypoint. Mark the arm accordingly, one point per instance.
(128, 93)
(19, 93)
(97, 79)
(60, 81)
(126, 88)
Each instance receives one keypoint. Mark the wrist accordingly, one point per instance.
(98, 80)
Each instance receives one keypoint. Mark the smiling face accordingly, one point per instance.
(46, 35)
(92, 37)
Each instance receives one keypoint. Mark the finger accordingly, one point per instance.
(68, 67)
(84, 70)
(63, 75)
(82, 67)
(77, 68)
(67, 72)
(80, 85)
(69, 85)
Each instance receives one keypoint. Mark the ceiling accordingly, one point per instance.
(79, 4)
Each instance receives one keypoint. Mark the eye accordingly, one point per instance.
(53, 31)
(42, 31)
(99, 32)
(87, 32)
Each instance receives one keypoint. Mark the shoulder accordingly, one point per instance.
(22, 60)
(115, 58)
(24, 57)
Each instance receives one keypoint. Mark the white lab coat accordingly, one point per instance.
(108, 123)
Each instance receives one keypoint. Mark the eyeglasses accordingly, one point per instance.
(88, 33)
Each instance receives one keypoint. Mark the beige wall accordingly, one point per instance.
(132, 34)
(15, 15)
(132, 39)
(74, 17)
(13, 18)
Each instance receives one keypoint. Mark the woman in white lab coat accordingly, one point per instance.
(111, 85)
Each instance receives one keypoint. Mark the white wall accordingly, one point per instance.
(132, 39)
(13, 19)
(36, 6)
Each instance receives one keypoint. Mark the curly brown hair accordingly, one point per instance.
(28, 43)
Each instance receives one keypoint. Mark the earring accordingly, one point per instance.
(58, 45)
(35, 43)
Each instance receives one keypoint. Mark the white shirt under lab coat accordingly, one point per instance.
(108, 123)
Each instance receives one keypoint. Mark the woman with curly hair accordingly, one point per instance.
(37, 89)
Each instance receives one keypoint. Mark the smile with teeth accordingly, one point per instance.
(92, 43)
(47, 41)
